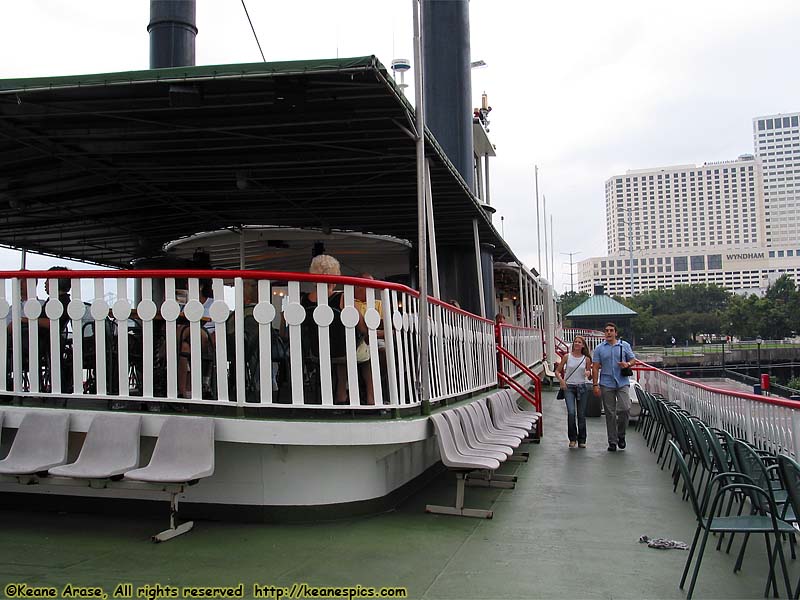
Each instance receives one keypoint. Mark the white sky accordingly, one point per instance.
(584, 89)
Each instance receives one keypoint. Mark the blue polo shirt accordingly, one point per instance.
(608, 357)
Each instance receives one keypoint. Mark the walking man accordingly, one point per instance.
(611, 357)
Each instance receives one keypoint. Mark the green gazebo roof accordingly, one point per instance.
(601, 305)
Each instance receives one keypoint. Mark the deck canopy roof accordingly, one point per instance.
(109, 168)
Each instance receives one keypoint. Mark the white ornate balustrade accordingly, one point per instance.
(121, 343)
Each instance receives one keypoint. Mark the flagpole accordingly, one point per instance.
(538, 228)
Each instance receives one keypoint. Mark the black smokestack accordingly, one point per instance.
(448, 83)
(172, 29)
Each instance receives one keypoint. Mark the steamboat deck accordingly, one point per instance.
(568, 530)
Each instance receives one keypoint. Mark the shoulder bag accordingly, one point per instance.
(624, 371)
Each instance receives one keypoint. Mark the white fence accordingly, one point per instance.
(526, 343)
(150, 336)
(592, 337)
(770, 424)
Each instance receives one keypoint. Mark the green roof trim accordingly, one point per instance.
(192, 73)
(601, 306)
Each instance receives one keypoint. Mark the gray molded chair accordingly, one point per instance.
(467, 443)
(184, 454)
(515, 410)
(473, 435)
(496, 426)
(501, 415)
(511, 437)
(482, 432)
(111, 448)
(766, 523)
(462, 464)
(40, 443)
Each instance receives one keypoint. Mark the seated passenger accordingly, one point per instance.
(206, 343)
(251, 340)
(361, 304)
(324, 264)
(43, 325)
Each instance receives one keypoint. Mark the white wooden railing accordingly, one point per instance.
(768, 423)
(592, 336)
(526, 343)
(49, 348)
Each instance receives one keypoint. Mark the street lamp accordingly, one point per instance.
(759, 341)
(724, 374)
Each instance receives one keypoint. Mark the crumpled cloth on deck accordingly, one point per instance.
(662, 543)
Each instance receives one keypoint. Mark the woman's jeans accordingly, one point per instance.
(575, 397)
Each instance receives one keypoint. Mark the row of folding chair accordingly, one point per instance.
(731, 486)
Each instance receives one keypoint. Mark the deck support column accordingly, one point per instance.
(549, 322)
(423, 376)
(478, 266)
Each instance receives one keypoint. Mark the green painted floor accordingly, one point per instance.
(569, 530)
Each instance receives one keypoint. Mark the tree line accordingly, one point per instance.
(691, 311)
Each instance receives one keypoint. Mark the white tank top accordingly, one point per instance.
(575, 370)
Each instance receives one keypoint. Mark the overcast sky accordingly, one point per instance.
(586, 90)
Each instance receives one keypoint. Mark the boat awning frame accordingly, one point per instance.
(109, 168)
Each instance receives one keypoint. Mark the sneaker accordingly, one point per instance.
(612, 447)
(621, 443)
(572, 444)
(581, 444)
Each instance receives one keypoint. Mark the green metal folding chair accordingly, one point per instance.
(765, 521)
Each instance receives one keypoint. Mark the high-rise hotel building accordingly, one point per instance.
(732, 223)
(777, 143)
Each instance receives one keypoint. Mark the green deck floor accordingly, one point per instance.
(569, 530)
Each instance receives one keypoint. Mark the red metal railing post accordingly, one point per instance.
(536, 399)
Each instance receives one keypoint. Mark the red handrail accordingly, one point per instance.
(708, 388)
(228, 274)
(536, 400)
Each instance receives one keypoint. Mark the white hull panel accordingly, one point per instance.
(296, 463)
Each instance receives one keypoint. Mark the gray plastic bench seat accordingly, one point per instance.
(485, 433)
(461, 420)
(111, 448)
(518, 432)
(512, 409)
(184, 454)
(501, 414)
(455, 458)
(497, 418)
(451, 456)
(516, 410)
(40, 443)
(477, 435)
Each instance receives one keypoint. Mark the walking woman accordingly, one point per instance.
(573, 372)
